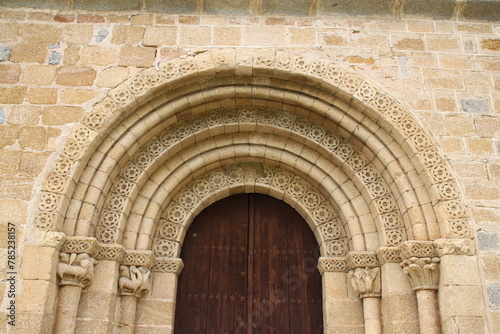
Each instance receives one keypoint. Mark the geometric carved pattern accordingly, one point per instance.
(174, 218)
(362, 259)
(332, 264)
(176, 213)
(168, 265)
(350, 84)
(414, 248)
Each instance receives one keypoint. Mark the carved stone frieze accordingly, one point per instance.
(134, 280)
(415, 248)
(111, 252)
(332, 264)
(366, 281)
(168, 265)
(362, 259)
(455, 247)
(423, 273)
(388, 255)
(139, 258)
(80, 245)
(76, 269)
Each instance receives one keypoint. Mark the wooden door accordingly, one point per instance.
(249, 267)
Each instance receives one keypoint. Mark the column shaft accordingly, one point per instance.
(67, 308)
(427, 311)
(372, 315)
(128, 309)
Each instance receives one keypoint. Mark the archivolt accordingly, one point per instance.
(369, 128)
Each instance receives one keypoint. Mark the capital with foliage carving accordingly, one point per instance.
(420, 264)
(76, 269)
(366, 281)
(134, 281)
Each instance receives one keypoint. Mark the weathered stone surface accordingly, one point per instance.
(137, 56)
(172, 6)
(10, 73)
(61, 115)
(76, 76)
(12, 95)
(107, 5)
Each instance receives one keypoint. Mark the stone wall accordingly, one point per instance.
(55, 65)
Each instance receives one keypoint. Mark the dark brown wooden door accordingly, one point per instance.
(249, 267)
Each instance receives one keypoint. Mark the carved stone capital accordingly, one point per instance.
(111, 252)
(388, 255)
(76, 269)
(134, 280)
(423, 272)
(53, 239)
(139, 258)
(332, 264)
(455, 247)
(168, 265)
(366, 281)
(81, 245)
(416, 248)
(362, 259)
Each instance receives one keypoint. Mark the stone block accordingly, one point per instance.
(443, 43)
(59, 4)
(90, 18)
(172, 6)
(41, 75)
(442, 9)
(277, 7)
(469, 325)
(302, 36)
(266, 36)
(335, 285)
(60, 115)
(399, 307)
(5, 53)
(33, 163)
(156, 36)
(39, 263)
(225, 7)
(142, 19)
(481, 10)
(36, 296)
(137, 56)
(14, 211)
(33, 137)
(494, 296)
(93, 326)
(12, 95)
(105, 277)
(195, 36)
(440, 78)
(78, 96)
(460, 126)
(76, 76)
(356, 7)
(127, 34)
(9, 31)
(165, 286)
(480, 146)
(459, 270)
(34, 322)
(8, 135)
(79, 34)
(110, 5)
(10, 73)
(28, 53)
(16, 187)
(461, 301)
(111, 77)
(230, 36)
(97, 305)
(409, 43)
(42, 96)
(155, 312)
(10, 161)
(71, 55)
(343, 312)
(394, 281)
(491, 265)
(483, 191)
(94, 55)
(24, 115)
(41, 33)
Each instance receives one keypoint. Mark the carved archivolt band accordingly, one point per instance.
(347, 85)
